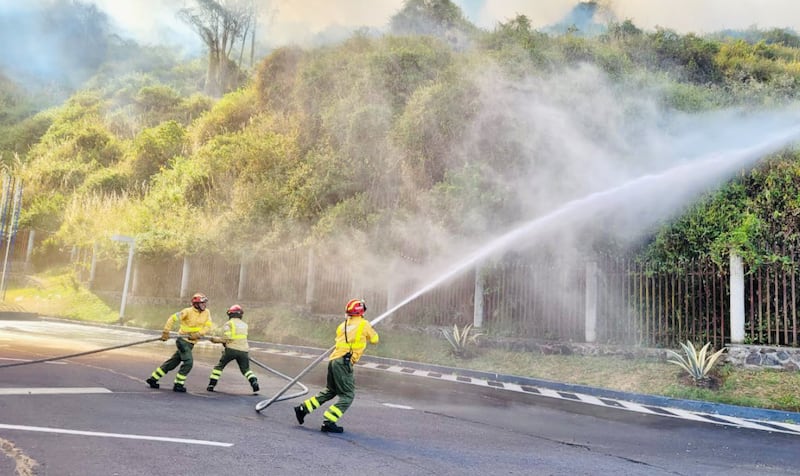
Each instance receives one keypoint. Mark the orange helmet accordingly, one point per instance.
(199, 298)
(356, 307)
(235, 311)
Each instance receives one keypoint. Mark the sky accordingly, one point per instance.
(306, 21)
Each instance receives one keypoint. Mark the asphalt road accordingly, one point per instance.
(94, 415)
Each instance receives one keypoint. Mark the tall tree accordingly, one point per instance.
(429, 17)
(220, 24)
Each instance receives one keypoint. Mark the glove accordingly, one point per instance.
(217, 340)
(165, 335)
(194, 336)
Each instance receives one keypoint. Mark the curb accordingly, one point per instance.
(708, 412)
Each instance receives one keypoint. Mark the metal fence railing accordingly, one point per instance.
(531, 297)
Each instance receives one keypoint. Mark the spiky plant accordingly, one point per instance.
(460, 340)
(697, 362)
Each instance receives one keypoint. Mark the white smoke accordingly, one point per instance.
(310, 22)
(683, 16)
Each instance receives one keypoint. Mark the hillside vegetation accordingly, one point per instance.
(391, 143)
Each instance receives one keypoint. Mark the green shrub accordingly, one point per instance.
(153, 148)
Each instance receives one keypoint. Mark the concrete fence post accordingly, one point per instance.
(591, 302)
(242, 279)
(185, 278)
(93, 267)
(478, 309)
(29, 250)
(737, 298)
(310, 278)
(135, 280)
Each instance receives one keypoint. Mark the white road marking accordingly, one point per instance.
(52, 390)
(56, 362)
(113, 435)
(402, 407)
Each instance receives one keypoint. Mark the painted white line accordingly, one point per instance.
(113, 435)
(56, 362)
(394, 405)
(52, 390)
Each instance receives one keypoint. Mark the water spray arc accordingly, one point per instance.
(694, 176)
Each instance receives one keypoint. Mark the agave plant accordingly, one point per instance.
(460, 339)
(697, 362)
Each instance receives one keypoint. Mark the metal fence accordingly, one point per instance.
(534, 297)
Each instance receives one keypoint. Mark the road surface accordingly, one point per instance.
(94, 415)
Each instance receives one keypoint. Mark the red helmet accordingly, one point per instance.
(235, 311)
(199, 298)
(356, 307)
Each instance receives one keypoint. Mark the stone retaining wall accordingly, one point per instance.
(743, 356)
(758, 356)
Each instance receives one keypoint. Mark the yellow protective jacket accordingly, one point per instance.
(191, 320)
(352, 336)
(236, 331)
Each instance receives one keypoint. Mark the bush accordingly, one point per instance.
(155, 147)
(275, 78)
(230, 114)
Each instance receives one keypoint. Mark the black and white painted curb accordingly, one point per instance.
(705, 412)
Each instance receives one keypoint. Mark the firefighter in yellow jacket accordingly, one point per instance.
(195, 322)
(351, 339)
(236, 348)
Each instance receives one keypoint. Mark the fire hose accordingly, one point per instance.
(153, 339)
(277, 398)
(285, 377)
(79, 354)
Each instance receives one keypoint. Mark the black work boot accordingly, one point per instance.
(178, 388)
(300, 411)
(152, 382)
(211, 385)
(254, 384)
(331, 427)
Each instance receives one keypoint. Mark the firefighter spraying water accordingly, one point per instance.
(351, 340)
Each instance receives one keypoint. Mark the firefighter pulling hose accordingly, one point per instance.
(215, 340)
(195, 323)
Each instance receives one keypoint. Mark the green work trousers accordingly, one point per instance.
(341, 383)
(183, 354)
(241, 357)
